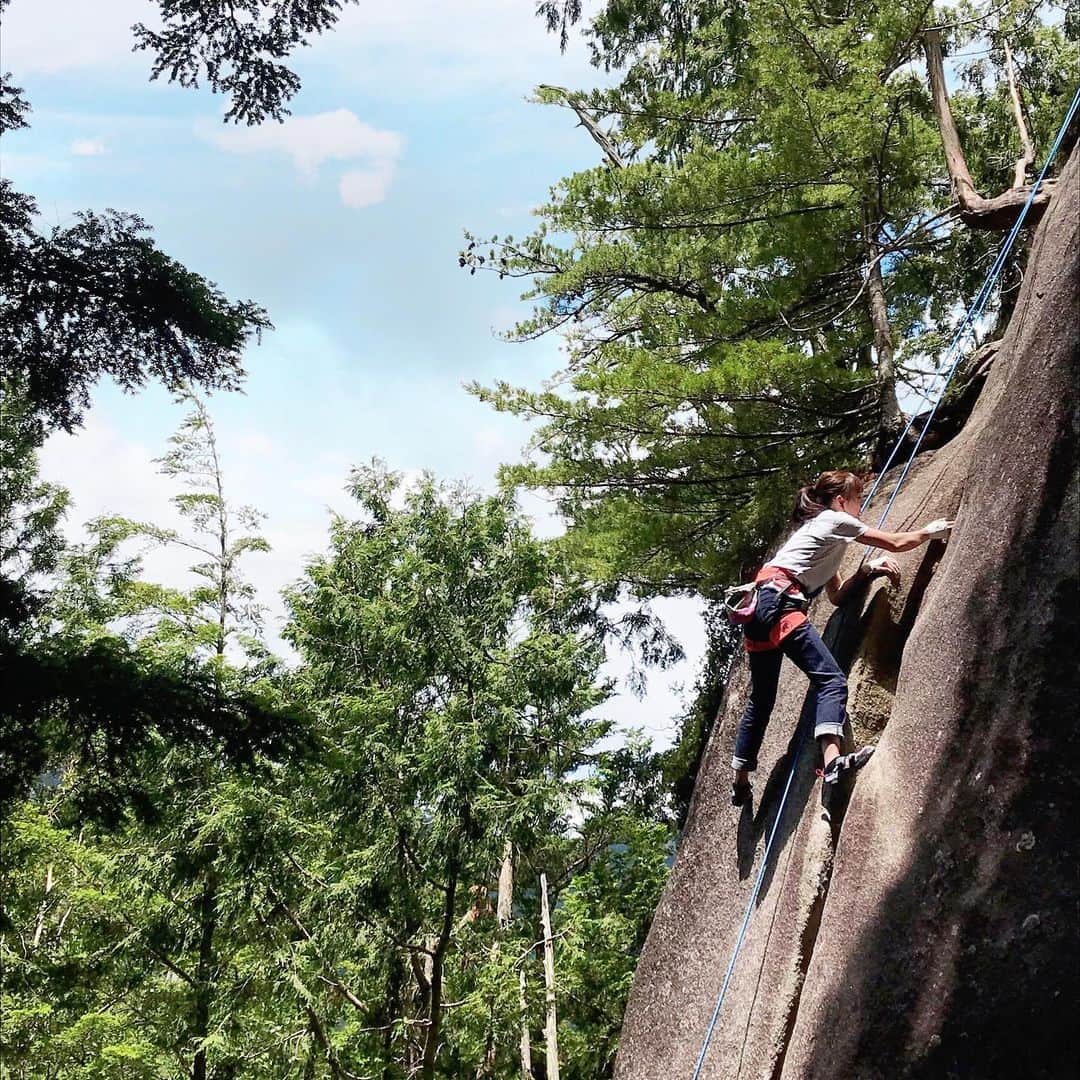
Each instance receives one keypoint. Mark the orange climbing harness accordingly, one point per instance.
(788, 586)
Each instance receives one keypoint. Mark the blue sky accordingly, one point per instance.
(345, 223)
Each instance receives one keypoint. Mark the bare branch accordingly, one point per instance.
(994, 214)
(1027, 158)
(588, 122)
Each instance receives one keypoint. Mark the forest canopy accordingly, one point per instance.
(417, 847)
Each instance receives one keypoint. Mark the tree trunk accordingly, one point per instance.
(392, 1010)
(1027, 158)
(504, 906)
(74, 884)
(503, 913)
(551, 1038)
(487, 1062)
(204, 980)
(319, 1032)
(889, 420)
(438, 961)
(39, 928)
(526, 1044)
(995, 214)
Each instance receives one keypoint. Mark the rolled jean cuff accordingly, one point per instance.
(829, 727)
(743, 764)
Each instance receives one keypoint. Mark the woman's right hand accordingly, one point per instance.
(938, 529)
(905, 541)
(883, 566)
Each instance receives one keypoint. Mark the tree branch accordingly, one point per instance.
(1027, 158)
(994, 214)
(589, 123)
(335, 982)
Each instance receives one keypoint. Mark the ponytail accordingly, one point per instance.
(806, 505)
(813, 498)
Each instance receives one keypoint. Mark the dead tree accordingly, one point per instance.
(1000, 212)
(551, 1038)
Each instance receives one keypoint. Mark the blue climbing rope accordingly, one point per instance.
(974, 313)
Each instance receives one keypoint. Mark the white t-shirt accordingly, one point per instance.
(813, 552)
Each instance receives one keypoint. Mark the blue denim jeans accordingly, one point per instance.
(828, 691)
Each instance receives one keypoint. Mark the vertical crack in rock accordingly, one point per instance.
(870, 647)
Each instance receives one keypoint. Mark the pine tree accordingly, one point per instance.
(766, 253)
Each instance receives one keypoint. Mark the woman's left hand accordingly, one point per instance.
(884, 567)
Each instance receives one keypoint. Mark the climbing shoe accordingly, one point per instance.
(740, 793)
(847, 763)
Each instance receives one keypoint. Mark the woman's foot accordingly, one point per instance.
(740, 792)
(847, 763)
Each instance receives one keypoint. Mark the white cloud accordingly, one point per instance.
(410, 49)
(365, 187)
(106, 474)
(667, 692)
(88, 147)
(311, 141)
(424, 48)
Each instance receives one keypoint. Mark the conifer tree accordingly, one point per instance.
(455, 663)
(765, 255)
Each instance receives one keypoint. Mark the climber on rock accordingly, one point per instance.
(807, 563)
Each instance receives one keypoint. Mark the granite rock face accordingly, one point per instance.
(928, 928)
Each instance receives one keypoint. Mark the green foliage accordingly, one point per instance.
(602, 920)
(453, 658)
(672, 475)
(138, 936)
(237, 47)
(98, 298)
(222, 610)
(30, 509)
(309, 910)
(82, 696)
(215, 867)
(93, 705)
(767, 250)
(130, 900)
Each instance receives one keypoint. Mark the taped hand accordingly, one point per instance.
(938, 529)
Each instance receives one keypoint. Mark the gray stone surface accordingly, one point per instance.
(912, 952)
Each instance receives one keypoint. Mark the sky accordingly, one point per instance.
(345, 223)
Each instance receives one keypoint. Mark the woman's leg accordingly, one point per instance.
(831, 746)
(828, 687)
(764, 677)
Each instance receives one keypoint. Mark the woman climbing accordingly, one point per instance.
(810, 560)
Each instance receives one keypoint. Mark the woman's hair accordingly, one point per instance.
(816, 497)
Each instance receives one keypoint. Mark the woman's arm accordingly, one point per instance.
(837, 587)
(905, 541)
